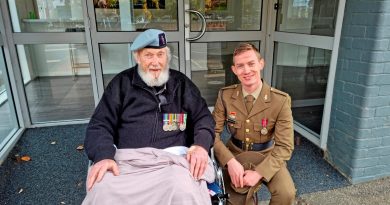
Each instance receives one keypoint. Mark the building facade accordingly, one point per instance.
(359, 135)
(329, 55)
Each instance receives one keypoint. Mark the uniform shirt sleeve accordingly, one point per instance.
(284, 143)
(201, 117)
(222, 153)
(99, 140)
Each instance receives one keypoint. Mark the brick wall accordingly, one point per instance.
(359, 136)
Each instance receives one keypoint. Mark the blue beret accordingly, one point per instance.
(151, 38)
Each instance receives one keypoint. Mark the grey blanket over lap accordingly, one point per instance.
(151, 176)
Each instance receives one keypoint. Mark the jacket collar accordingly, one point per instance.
(238, 99)
(261, 103)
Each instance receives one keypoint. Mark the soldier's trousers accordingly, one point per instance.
(281, 187)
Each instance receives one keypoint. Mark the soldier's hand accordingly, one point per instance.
(197, 157)
(236, 172)
(251, 178)
(99, 169)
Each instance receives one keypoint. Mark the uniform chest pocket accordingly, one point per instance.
(234, 126)
(257, 127)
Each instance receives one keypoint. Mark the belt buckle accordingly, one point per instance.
(247, 144)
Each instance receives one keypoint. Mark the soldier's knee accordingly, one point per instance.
(289, 195)
(284, 195)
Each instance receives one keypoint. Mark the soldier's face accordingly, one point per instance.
(153, 61)
(247, 67)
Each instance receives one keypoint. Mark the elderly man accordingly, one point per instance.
(260, 121)
(138, 134)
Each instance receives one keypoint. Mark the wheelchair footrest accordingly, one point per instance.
(219, 199)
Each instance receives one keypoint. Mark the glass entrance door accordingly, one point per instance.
(225, 24)
(302, 43)
(201, 35)
(49, 51)
(10, 129)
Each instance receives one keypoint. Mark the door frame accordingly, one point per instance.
(228, 36)
(21, 38)
(99, 37)
(92, 38)
(16, 114)
(323, 42)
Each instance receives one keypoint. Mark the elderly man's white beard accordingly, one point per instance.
(150, 80)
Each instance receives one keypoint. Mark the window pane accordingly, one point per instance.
(8, 121)
(136, 15)
(57, 81)
(302, 72)
(2, 83)
(314, 17)
(227, 15)
(118, 57)
(47, 16)
(211, 67)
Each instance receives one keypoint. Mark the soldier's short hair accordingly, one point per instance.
(243, 47)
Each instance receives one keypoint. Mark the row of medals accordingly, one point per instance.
(174, 121)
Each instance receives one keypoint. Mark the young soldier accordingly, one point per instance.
(260, 121)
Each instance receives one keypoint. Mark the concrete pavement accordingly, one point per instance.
(374, 192)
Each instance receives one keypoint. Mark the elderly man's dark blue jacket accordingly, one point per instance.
(129, 116)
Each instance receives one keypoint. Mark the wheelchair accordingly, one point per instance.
(223, 196)
(217, 189)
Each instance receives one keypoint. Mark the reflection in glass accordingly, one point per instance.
(118, 57)
(57, 81)
(313, 17)
(211, 67)
(47, 16)
(302, 72)
(2, 83)
(136, 15)
(8, 121)
(227, 15)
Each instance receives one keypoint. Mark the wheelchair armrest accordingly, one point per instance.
(222, 196)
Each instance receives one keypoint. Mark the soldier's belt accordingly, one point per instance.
(250, 146)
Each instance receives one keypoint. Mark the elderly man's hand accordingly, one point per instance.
(236, 172)
(197, 157)
(99, 169)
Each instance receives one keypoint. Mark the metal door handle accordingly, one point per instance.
(203, 25)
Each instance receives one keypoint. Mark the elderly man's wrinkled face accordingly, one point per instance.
(153, 64)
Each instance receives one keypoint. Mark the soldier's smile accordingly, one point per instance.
(247, 67)
(248, 77)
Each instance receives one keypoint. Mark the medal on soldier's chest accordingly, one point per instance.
(231, 117)
(173, 127)
(264, 123)
(182, 121)
(165, 127)
(174, 121)
(165, 122)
